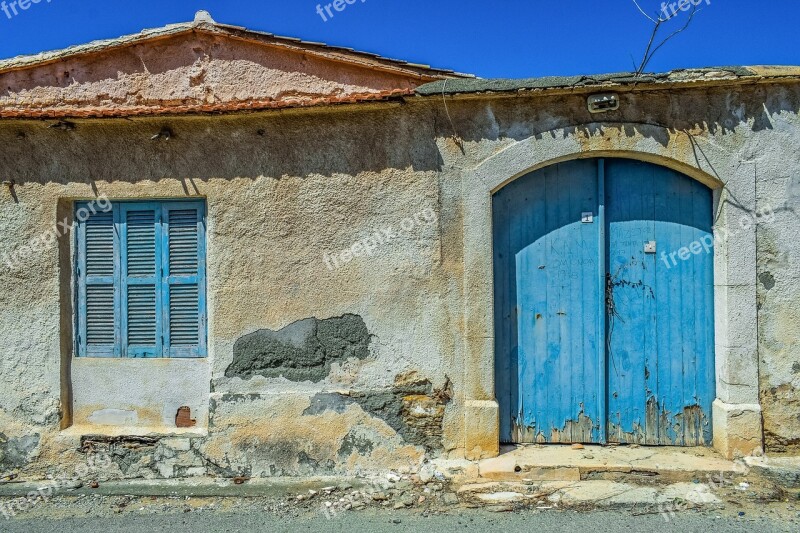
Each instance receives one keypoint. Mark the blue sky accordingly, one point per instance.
(490, 38)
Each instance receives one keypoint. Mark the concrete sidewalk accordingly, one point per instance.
(197, 487)
(659, 479)
(613, 463)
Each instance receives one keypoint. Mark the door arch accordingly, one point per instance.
(604, 327)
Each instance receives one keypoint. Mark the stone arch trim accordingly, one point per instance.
(681, 151)
(736, 416)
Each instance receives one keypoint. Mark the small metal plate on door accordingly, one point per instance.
(650, 247)
(587, 218)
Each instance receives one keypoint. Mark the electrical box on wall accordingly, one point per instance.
(600, 103)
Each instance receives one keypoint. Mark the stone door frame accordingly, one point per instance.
(736, 413)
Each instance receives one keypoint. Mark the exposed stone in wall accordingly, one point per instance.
(264, 435)
(152, 457)
(296, 433)
(411, 407)
(15, 452)
(302, 351)
(783, 405)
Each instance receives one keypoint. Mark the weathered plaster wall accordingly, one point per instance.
(138, 393)
(198, 69)
(392, 350)
(778, 186)
(282, 190)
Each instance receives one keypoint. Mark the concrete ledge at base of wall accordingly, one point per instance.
(78, 431)
(194, 487)
(628, 464)
(785, 471)
(666, 500)
(495, 497)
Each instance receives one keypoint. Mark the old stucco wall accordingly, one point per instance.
(195, 70)
(779, 291)
(381, 338)
(282, 192)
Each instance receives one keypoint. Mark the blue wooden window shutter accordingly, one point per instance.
(141, 280)
(98, 291)
(140, 277)
(183, 290)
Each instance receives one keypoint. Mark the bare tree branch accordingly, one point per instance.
(650, 54)
(645, 61)
(643, 13)
(673, 34)
(651, 50)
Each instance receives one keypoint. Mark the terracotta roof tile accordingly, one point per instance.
(198, 108)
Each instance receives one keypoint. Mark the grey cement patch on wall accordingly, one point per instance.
(302, 351)
(767, 279)
(328, 402)
(353, 442)
(15, 452)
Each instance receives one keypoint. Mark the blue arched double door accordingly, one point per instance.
(604, 326)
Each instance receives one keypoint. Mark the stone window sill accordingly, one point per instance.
(133, 431)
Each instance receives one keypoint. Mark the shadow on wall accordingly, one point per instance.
(354, 139)
(299, 143)
(719, 110)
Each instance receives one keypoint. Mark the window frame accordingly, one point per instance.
(163, 280)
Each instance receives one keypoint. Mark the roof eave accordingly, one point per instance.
(337, 53)
(677, 79)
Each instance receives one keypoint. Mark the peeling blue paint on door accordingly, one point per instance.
(597, 339)
(548, 295)
(661, 328)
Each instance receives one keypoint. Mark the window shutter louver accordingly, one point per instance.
(140, 280)
(184, 322)
(97, 294)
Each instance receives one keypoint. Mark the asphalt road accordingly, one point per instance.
(485, 522)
